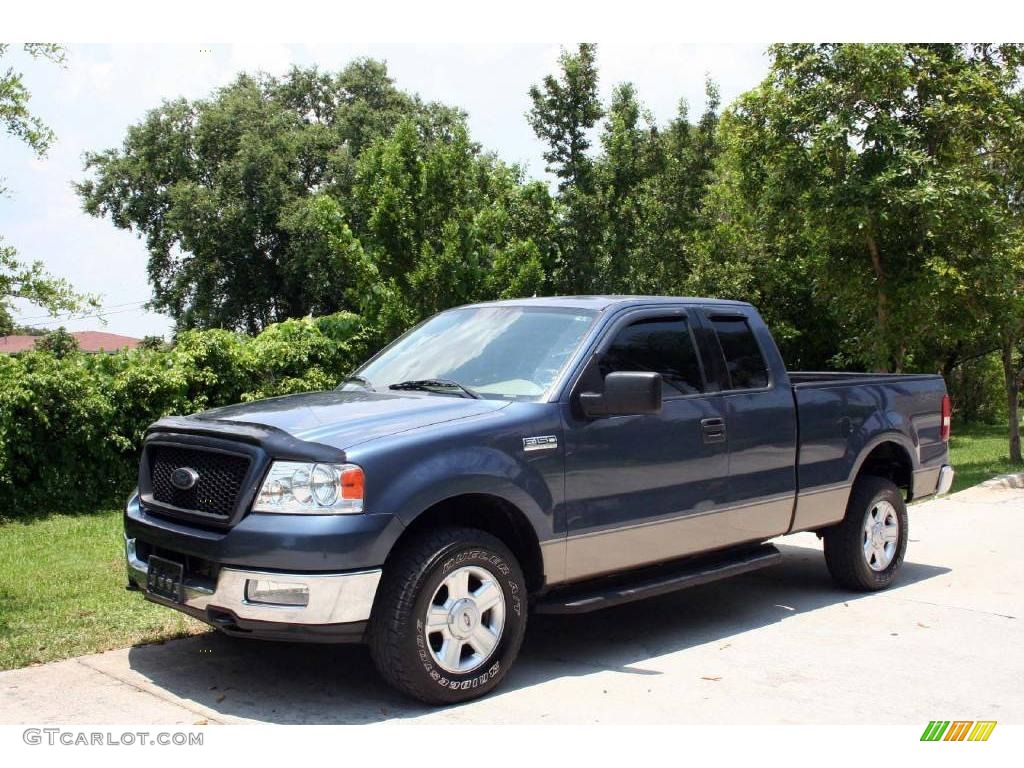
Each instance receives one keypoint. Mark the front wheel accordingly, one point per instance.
(865, 550)
(450, 617)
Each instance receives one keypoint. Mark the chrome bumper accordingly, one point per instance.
(334, 598)
(945, 479)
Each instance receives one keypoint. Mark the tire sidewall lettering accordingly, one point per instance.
(500, 568)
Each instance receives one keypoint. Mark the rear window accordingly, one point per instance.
(743, 359)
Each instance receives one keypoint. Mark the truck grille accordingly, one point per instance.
(216, 491)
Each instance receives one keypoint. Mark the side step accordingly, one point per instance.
(593, 596)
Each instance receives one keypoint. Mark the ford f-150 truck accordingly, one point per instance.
(546, 454)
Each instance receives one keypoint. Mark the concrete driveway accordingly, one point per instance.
(780, 645)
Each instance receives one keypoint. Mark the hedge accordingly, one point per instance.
(71, 424)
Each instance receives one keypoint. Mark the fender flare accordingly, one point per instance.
(898, 438)
(483, 471)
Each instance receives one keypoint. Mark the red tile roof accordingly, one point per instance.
(88, 341)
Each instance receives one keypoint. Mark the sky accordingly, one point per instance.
(105, 88)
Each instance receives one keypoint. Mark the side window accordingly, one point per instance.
(743, 359)
(662, 345)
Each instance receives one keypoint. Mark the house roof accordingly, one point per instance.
(88, 341)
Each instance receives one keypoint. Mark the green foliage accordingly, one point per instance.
(154, 343)
(15, 116)
(976, 387)
(442, 223)
(564, 110)
(59, 343)
(870, 163)
(869, 199)
(71, 423)
(19, 279)
(279, 198)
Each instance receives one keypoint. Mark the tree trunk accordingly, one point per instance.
(1013, 381)
(951, 361)
(882, 361)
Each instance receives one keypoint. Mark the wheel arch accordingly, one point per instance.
(487, 512)
(887, 456)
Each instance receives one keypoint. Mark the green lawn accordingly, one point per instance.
(62, 577)
(978, 452)
(62, 591)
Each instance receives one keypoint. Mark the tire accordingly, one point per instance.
(455, 570)
(852, 552)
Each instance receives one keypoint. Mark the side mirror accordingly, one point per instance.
(626, 393)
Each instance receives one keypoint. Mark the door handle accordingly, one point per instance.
(713, 430)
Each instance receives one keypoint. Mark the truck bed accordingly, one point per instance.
(842, 416)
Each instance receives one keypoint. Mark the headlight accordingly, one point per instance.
(311, 489)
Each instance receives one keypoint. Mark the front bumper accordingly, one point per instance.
(338, 608)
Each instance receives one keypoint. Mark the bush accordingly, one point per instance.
(979, 391)
(71, 424)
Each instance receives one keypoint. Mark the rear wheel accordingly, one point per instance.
(450, 617)
(866, 549)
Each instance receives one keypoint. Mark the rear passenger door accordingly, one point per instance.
(760, 420)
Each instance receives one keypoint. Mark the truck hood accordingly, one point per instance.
(345, 418)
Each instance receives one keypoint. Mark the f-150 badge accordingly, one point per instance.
(542, 443)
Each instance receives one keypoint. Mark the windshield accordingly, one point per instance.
(496, 352)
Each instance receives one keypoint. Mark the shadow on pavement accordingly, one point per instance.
(299, 683)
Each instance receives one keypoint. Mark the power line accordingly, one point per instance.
(97, 315)
(101, 311)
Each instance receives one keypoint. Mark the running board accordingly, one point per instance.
(617, 590)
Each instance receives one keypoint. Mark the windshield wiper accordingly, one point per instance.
(429, 385)
(364, 383)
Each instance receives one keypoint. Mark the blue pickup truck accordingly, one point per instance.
(550, 455)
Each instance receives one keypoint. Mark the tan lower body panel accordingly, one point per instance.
(592, 554)
(818, 507)
(925, 482)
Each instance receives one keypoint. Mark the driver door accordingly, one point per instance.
(644, 488)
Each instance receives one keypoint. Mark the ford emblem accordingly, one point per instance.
(184, 478)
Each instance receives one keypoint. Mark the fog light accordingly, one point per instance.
(276, 592)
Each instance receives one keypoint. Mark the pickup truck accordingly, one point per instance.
(548, 454)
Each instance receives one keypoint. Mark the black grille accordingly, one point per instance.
(215, 492)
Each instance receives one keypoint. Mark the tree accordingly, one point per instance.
(228, 193)
(31, 282)
(872, 156)
(632, 155)
(669, 171)
(317, 193)
(564, 110)
(58, 343)
(15, 115)
(445, 224)
(18, 279)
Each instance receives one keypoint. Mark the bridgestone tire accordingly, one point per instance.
(845, 542)
(397, 635)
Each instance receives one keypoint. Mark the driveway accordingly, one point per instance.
(779, 645)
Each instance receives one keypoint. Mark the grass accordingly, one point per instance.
(62, 591)
(62, 577)
(978, 452)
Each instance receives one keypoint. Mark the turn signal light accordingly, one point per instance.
(352, 483)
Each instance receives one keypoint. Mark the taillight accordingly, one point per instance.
(947, 412)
